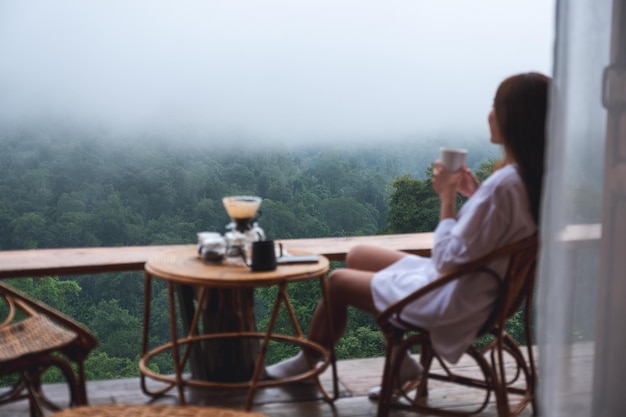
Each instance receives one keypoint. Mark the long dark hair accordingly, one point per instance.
(520, 108)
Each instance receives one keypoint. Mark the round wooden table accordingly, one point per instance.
(183, 268)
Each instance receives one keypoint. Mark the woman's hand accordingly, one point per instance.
(468, 184)
(446, 185)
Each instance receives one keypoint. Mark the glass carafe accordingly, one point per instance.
(239, 243)
(236, 248)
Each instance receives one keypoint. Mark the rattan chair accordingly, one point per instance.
(121, 410)
(34, 338)
(515, 290)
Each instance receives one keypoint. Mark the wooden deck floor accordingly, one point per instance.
(355, 376)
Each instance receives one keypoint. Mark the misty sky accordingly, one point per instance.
(282, 68)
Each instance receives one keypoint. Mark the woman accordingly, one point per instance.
(503, 210)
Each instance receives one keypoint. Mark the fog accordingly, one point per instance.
(291, 70)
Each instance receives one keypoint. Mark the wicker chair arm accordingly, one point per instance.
(480, 264)
(32, 306)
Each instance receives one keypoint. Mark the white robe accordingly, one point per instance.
(496, 215)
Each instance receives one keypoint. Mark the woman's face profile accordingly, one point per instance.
(496, 136)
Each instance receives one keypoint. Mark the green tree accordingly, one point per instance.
(361, 342)
(485, 169)
(6, 216)
(73, 229)
(100, 366)
(115, 223)
(118, 332)
(346, 216)
(279, 220)
(169, 230)
(209, 215)
(413, 206)
(28, 230)
(59, 294)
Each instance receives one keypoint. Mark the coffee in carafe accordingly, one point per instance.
(211, 247)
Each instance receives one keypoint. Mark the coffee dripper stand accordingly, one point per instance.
(239, 238)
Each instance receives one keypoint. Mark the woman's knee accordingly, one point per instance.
(341, 282)
(350, 287)
(371, 258)
(336, 280)
(358, 255)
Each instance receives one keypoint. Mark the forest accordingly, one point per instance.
(68, 188)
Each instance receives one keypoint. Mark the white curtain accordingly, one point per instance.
(581, 326)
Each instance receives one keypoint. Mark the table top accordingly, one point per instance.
(183, 266)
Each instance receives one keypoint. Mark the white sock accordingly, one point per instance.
(410, 370)
(295, 365)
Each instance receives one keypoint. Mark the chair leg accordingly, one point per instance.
(499, 382)
(16, 392)
(426, 359)
(75, 384)
(33, 388)
(386, 386)
(81, 384)
(526, 370)
(531, 359)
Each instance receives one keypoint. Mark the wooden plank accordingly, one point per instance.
(299, 399)
(335, 248)
(73, 261)
(356, 377)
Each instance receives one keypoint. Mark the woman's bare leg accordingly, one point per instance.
(352, 287)
(349, 286)
(372, 258)
(346, 287)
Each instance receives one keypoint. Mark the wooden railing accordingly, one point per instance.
(73, 261)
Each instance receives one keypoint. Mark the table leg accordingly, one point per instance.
(229, 310)
(296, 327)
(174, 335)
(147, 300)
(260, 361)
(283, 297)
(331, 330)
(186, 297)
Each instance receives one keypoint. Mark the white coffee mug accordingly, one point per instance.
(452, 159)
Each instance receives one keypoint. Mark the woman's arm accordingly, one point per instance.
(495, 215)
(446, 185)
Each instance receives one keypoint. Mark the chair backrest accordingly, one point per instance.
(517, 284)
